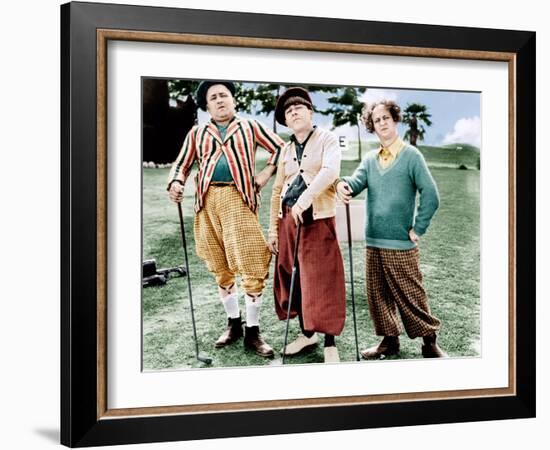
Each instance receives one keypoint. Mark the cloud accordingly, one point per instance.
(375, 95)
(466, 131)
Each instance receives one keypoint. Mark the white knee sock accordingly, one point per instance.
(253, 310)
(231, 305)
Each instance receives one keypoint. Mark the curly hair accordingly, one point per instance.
(366, 113)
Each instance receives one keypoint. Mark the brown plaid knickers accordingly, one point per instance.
(394, 282)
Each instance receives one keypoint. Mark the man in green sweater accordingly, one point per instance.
(394, 174)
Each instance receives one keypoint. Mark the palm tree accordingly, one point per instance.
(415, 116)
(346, 109)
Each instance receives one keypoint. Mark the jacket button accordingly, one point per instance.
(294, 159)
(301, 170)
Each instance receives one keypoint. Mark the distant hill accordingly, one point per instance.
(445, 156)
(461, 146)
(451, 155)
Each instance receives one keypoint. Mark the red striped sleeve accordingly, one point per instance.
(250, 138)
(268, 140)
(182, 166)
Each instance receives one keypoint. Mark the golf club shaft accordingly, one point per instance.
(292, 283)
(350, 247)
(182, 226)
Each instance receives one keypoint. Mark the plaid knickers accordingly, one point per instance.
(229, 238)
(394, 282)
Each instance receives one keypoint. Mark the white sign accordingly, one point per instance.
(343, 143)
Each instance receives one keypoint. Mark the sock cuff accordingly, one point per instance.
(251, 300)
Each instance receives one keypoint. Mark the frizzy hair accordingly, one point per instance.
(368, 108)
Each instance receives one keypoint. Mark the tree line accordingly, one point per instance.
(344, 105)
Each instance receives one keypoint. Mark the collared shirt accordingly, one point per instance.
(387, 155)
(203, 144)
(298, 185)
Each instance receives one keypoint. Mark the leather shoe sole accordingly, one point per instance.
(227, 338)
(379, 353)
(263, 350)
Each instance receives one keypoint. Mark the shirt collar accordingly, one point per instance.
(394, 148)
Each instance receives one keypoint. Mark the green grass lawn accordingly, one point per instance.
(450, 258)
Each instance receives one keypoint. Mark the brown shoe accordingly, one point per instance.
(254, 341)
(430, 349)
(388, 346)
(232, 333)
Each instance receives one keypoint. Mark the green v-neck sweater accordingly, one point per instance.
(391, 198)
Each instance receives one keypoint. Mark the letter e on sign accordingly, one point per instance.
(343, 142)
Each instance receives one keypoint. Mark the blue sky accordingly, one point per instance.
(455, 115)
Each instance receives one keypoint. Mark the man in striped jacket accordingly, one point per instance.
(228, 235)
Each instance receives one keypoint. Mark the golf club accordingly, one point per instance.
(292, 282)
(348, 220)
(202, 358)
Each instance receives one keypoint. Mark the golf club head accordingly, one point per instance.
(204, 359)
(275, 362)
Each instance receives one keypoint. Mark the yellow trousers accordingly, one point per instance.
(229, 238)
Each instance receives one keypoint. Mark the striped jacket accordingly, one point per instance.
(203, 144)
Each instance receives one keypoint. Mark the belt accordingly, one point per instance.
(222, 183)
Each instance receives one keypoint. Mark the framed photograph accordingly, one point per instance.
(142, 356)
